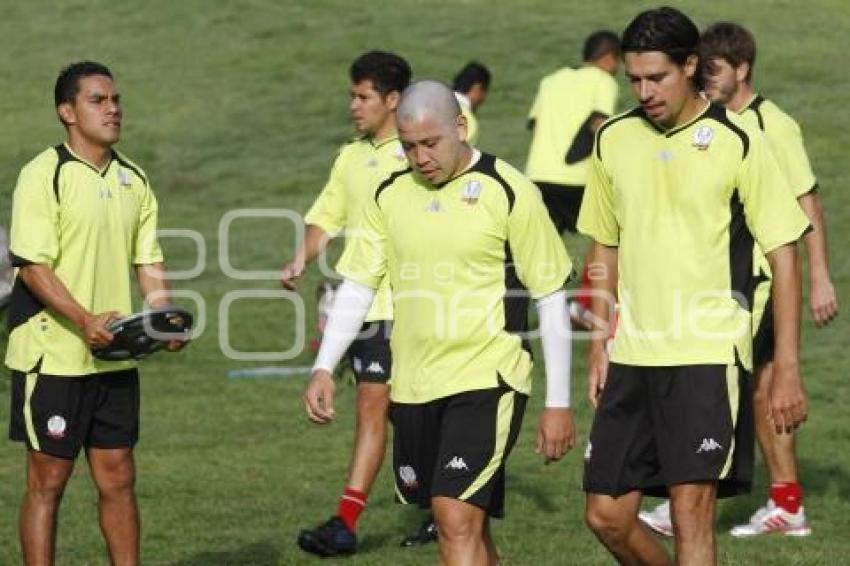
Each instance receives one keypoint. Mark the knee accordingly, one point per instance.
(48, 485)
(457, 525)
(605, 523)
(116, 479)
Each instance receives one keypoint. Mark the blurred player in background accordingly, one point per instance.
(377, 80)
(471, 86)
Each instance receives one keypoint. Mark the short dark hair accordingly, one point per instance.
(667, 30)
(68, 82)
(601, 43)
(662, 29)
(472, 73)
(729, 41)
(387, 71)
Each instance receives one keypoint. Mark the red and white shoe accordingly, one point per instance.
(773, 519)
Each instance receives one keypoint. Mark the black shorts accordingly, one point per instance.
(456, 447)
(59, 415)
(370, 355)
(763, 342)
(661, 426)
(563, 203)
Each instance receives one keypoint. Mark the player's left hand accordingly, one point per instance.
(175, 345)
(555, 433)
(822, 301)
(787, 403)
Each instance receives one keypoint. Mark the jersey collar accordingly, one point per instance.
(91, 166)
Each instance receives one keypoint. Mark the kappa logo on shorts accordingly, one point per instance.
(375, 367)
(709, 445)
(56, 427)
(457, 463)
(407, 475)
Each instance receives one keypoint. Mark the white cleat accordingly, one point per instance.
(658, 519)
(773, 519)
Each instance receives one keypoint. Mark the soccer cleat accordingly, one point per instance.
(658, 519)
(331, 538)
(773, 519)
(423, 535)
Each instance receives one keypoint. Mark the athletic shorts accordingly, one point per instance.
(563, 203)
(763, 342)
(661, 426)
(456, 447)
(370, 355)
(59, 415)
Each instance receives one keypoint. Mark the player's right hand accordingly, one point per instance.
(94, 329)
(290, 273)
(319, 397)
(597, 373)
(823, 301)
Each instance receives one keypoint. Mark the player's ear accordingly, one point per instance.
(66, 113)
(462, 128)
(691, 66)
(741, 72)
(392, 99)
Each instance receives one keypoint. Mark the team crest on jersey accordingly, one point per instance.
(702, 137)
(472, 191)
(124, 178)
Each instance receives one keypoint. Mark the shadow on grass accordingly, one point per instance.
(529, 489)
(256, 554)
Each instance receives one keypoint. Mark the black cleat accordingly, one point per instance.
(426, 533)
(331, 538)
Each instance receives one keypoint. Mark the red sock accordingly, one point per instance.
(787, 495)
(351, 504)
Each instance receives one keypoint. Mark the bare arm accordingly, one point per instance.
(822, 299)
(315, 241)
(787, 407)
(156, 292)
(603, 262)
(43, 282)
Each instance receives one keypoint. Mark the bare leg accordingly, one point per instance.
(692, 508)
(46, 480)
(370, 436)
(614, 522)
(114, 474)
(461, 529)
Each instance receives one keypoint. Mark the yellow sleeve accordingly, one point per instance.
(34, 234)
(329, 211)
(786, 143)
(597, 217)
(534, 113)
(537, 250)
(147, 249)
(364, 259)
(771, 210)
(606, 96)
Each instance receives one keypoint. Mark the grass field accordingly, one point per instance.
(242, 104)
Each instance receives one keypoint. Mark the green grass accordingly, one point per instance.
(242, 105)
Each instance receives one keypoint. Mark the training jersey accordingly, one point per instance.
(462, 259)
(786, 142)
(90, 227)
(683, 206)
(358, 169)
(471, 120)
(566, 104)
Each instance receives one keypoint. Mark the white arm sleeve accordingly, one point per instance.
(556, 339)
(345, 319)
